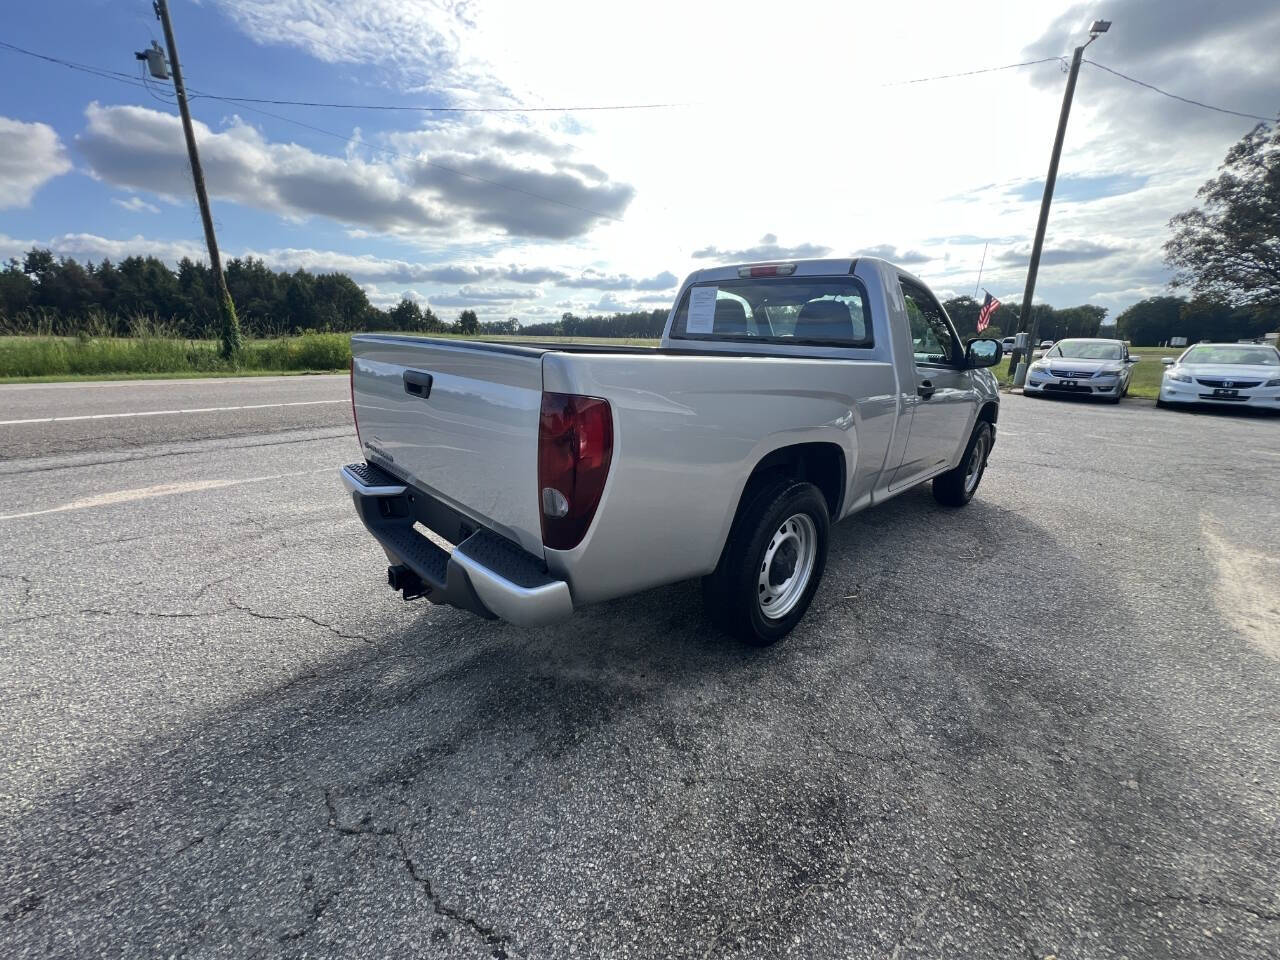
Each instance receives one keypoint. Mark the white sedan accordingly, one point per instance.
(1223, 374)
(1083, 367)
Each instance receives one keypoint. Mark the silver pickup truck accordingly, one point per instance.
(519, 480)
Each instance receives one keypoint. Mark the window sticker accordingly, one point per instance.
(702, 310)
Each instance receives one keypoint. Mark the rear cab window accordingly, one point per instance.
(820, 311)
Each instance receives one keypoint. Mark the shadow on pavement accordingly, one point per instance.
(918, 770)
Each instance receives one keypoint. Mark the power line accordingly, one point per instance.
(126, 78)
(413, 108)
(1174, 96)
(971, 73)
(71, 64)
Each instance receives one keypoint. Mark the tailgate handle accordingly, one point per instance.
(417, 383)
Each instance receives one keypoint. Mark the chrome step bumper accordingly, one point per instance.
(485, 573)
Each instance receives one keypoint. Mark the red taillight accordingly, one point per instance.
(575, 445)
(352, 383)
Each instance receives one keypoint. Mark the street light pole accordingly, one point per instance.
(1027, 321)
(230, 334)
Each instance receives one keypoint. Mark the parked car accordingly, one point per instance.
(1007, 344)
(1083, 367)
(1223, 374)
(783, 397)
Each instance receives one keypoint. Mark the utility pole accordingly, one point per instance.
(1027, 321)
(230, 338)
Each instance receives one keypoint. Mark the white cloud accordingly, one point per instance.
(142, 149)
(414, 42)
(88, 246)
(135, 204)
(591, 279)
(767, 249)
(30, 155)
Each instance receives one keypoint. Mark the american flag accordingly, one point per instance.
(988, 308)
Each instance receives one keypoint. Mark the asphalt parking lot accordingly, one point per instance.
(1042, 726)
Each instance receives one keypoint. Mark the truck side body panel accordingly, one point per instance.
(688, 431)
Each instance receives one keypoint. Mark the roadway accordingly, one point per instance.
(1041, 726)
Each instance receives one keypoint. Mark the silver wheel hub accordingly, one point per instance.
(973, 469)
(787, 566)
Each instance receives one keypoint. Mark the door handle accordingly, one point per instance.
(417, 383)
(924, 390)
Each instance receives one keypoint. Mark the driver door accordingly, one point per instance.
(944, 395)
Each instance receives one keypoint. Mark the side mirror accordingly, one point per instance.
(983, 353)
(1168, 361)
(1132, 359)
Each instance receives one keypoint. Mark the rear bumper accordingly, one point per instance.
(485, 573)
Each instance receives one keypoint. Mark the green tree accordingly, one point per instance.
(300, 301)
(405, 315)
(430, 322)
(468, 323)
(1150, 322)
(1229, 247)
(963, 312)
(16, 289)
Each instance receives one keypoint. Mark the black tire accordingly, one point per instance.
(953, 488)
(1161, 404)
(732, 595)
(1115, 399)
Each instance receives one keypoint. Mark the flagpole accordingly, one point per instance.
(980, 266)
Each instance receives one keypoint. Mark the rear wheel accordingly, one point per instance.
(957, 486)
(771, 565)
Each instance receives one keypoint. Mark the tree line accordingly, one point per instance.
(42, 293)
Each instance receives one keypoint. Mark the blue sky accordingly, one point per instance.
(815, 148)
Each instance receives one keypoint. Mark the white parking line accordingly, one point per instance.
(159, 490)
(166, 413)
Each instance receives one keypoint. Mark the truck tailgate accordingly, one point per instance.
(457, 419)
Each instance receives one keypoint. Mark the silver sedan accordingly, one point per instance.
(1083, 367)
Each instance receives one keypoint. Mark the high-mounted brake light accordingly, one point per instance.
(768, 270)
(575, 447)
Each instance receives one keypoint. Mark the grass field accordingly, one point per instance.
(74, 358)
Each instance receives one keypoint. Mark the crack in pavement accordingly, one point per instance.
(26, 903)
(360, 829)
(257, 614)
(499, 943)
(27, 587)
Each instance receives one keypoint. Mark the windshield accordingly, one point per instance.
(1231, 353)
(829, 310)
(1088, 350)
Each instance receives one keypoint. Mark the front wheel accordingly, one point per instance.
(957, 486)
(771, 565)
